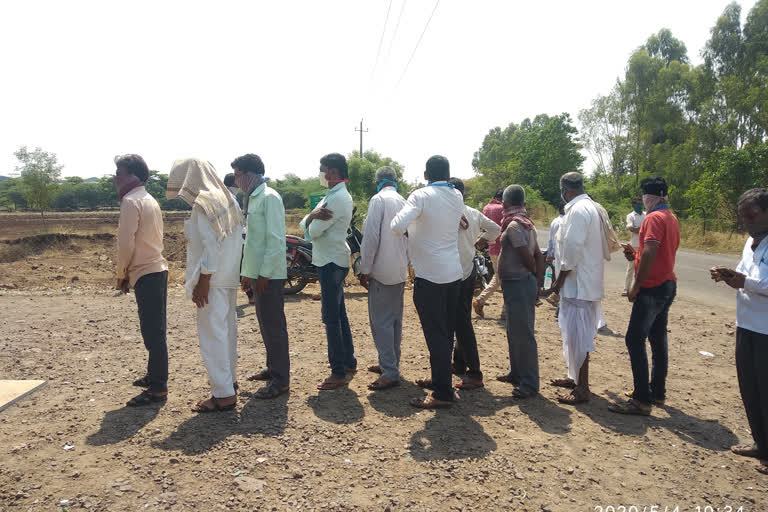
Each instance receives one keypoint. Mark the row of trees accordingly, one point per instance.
(701, 127)
(38, 186)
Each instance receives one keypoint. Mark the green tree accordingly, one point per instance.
(12, 194)
(362, 174)
(534, 153)
(39, 171)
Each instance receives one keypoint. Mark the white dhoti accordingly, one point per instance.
(579, 321)
(217, 330)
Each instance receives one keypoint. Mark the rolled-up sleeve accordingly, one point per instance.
(274, 242)
(407, 214)
(128, 225)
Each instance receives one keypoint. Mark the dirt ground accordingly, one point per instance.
(348, 449)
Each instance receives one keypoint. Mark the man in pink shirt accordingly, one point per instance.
(140, 264)
(494, 210)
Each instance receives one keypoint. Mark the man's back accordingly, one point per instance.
(580, 250)
(431, 216)
(383, 254)
(494, 210)
(140, 235)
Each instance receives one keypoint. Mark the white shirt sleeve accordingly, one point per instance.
(371, 234)
(211, 246)
(573, 239)
(407, 214)
(492, 229)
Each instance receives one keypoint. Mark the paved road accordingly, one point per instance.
(692, 269)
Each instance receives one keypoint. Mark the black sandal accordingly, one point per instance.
(264, 374)
(146, 397)
(143, 382)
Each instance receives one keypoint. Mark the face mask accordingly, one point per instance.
(638, 208)
(323, 180)
(384, 182)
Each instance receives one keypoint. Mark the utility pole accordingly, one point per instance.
(361, 136)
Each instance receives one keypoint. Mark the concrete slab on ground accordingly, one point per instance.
(11, 391)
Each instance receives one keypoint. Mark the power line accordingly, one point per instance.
(381, 39)
(394, 34)
(417, 44)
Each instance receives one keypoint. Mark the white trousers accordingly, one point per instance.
(217, 330)
(579, 321)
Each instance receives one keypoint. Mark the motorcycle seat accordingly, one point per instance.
(298, 241)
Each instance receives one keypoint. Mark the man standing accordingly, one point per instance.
(521, 270)
(580, 253)
(750, 279)
(466, 360)
(140, 264)
(652, 293)
(326, 226)
(432, 216)
(383, 271)
(634, 220)
(493, 210)
(214, 245)
(263, 269)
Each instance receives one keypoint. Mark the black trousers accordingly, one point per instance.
(465, 356)
(270, 312)
(751, 364)
(151, 297)
(436, 306)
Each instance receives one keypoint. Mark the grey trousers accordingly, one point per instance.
(520, 304)
(385, 311)
(270, 312)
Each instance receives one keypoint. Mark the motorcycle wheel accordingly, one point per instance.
(293, 285)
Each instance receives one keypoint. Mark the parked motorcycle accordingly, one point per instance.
(298, 258)
(483, 267)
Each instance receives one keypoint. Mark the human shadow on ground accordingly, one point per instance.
(203, 431)
(451, 434)
(548, 415)
(122, 424)
(708, 434)
(340, 406)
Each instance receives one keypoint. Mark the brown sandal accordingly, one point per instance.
(468, 384)
(563, 383)
(378, 385)
(202, 407)
(746, 450)
(424, 383)
(264, 374)
(329, 385)
(632, 407)
(574, 399)
(430, 402)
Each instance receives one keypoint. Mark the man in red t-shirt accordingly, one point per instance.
(494, 211)
(652, 294)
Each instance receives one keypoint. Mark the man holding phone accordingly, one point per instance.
(750, 279)
(652, 293)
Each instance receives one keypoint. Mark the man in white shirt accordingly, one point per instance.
(750, 279)
(383, 271)
(326, 226)
(466, 360)
(214, 245)
(634, 221)
(580, 256)
(431, 216)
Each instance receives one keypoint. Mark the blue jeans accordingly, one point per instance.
(341, 351)
(520, 305)
(649, 321)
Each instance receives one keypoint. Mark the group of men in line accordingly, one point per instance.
(435, 232)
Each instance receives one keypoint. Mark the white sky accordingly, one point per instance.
(291, 80)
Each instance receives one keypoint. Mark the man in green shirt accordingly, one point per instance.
(263, 269)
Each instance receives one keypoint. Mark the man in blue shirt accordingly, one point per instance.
(326, 226)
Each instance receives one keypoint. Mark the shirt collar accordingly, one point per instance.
(760, 251)
(258, 190)
(575, 200)
(336, 189)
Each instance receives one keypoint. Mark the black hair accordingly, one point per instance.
(637, 200)
(656, 186)
(561, 207)
(229, 180)
(249, 163)
(133, 164)
(755, 196)
(499, 194)
(438, 169)
(338, 162)
(457, 184)
(572, 181)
